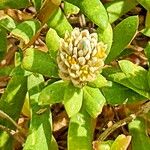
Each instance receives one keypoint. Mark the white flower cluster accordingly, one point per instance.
(80, 57)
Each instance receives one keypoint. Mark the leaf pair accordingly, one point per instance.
(73, 98)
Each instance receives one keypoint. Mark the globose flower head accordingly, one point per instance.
(80, 57)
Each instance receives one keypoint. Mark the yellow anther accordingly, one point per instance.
(101, 53)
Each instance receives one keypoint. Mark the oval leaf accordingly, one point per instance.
(11, 103)
(53, 93)
(73, 99)
(59, 22)
(70, 9)
(52, 42)
(118, 8)
(26, 30)
(145, 4)
(80, 134)
(7, 22)
(40, 123)
(135, 74)
(93, 101)
(94, 10)
(39, 62)
(140, 140)
(116, 75)
(123, 34)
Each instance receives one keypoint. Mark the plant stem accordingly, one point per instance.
(4, 115)
(43, 15)
(144, 109)
(18, 138)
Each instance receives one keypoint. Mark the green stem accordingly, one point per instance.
(4, 115)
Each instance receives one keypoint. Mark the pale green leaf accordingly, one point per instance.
(116, 75)
(117, 8)
(140, 139)
(53, 93)
(93, 101)
(59, 22)
(145, 4)
(80, 134)
(73, 99)
(123, 33)
(26, 30)
(136, 75)
(116, 94)
(11, 103)
(70, 9)
(99, 82)
(7, 22)
(39, 62)
(94, 10)
(52, 42)
(39, 136)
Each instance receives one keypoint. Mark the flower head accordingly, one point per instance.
(80, 57)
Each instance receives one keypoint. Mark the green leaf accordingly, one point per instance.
(80, 134)
(37, 4)
(136, 75)
(52, 42)
(54, 145)
(106, 36)
(17, 4)
(137, 129)
(118, 8)
(116, 75)
(18, 58)
(147, 20)
(99, 82)
(123, 34)
(39, 62)
(70, 9)
(3, 43)
(94, 10)
(53, 93)
(13, 98)
(148, 77)
(73, 99)
(39, 136)
(146, 30)
(145, 4)
(118, 94)
(26, 30)
(7, 22)
(59, 22)
(11, 103)
(121, 142)
(5, 71)
(93, 101)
